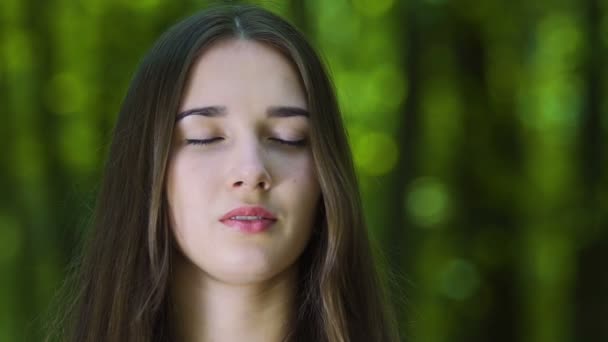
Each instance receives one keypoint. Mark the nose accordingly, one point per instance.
(249, 171)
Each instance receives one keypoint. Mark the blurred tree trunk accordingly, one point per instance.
(399, 235)
(491, 139)
(591, 307)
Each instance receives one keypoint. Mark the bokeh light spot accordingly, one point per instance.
(369, 94)
(389, 82)
(328, 14)
(427, 202)
(376, 153)
(459, 279)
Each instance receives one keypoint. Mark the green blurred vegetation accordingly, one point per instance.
(479, 130)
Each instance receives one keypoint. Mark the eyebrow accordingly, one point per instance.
(220, 111)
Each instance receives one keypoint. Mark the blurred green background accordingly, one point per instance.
(479, 130)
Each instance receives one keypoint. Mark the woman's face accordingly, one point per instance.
(248, 99)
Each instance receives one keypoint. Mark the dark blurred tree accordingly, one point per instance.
(591, 290)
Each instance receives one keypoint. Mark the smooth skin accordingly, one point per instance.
(228, 285)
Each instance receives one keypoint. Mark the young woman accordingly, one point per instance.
(229, 208)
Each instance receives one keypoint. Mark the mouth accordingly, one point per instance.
(249, 219)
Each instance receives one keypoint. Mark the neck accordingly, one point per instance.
(206, 309)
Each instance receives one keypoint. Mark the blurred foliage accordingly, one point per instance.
(479, 131)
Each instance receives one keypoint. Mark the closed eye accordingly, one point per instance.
(295, 143)
(201, 141)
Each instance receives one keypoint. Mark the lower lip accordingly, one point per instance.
(253, 226)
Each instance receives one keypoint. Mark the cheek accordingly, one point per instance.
(302, 175)
(190, 189)
(300, 190)
(189, 177)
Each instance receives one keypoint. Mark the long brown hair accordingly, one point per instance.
(122, 284)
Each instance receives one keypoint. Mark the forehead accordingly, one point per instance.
(243, 74)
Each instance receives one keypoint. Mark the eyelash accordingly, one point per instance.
(296, 143)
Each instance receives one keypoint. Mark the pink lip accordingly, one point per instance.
(253, 226)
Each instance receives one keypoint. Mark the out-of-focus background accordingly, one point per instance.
(479, 130)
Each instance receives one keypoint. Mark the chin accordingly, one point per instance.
(248, 269)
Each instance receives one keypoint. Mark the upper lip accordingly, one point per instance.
(249, 211)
